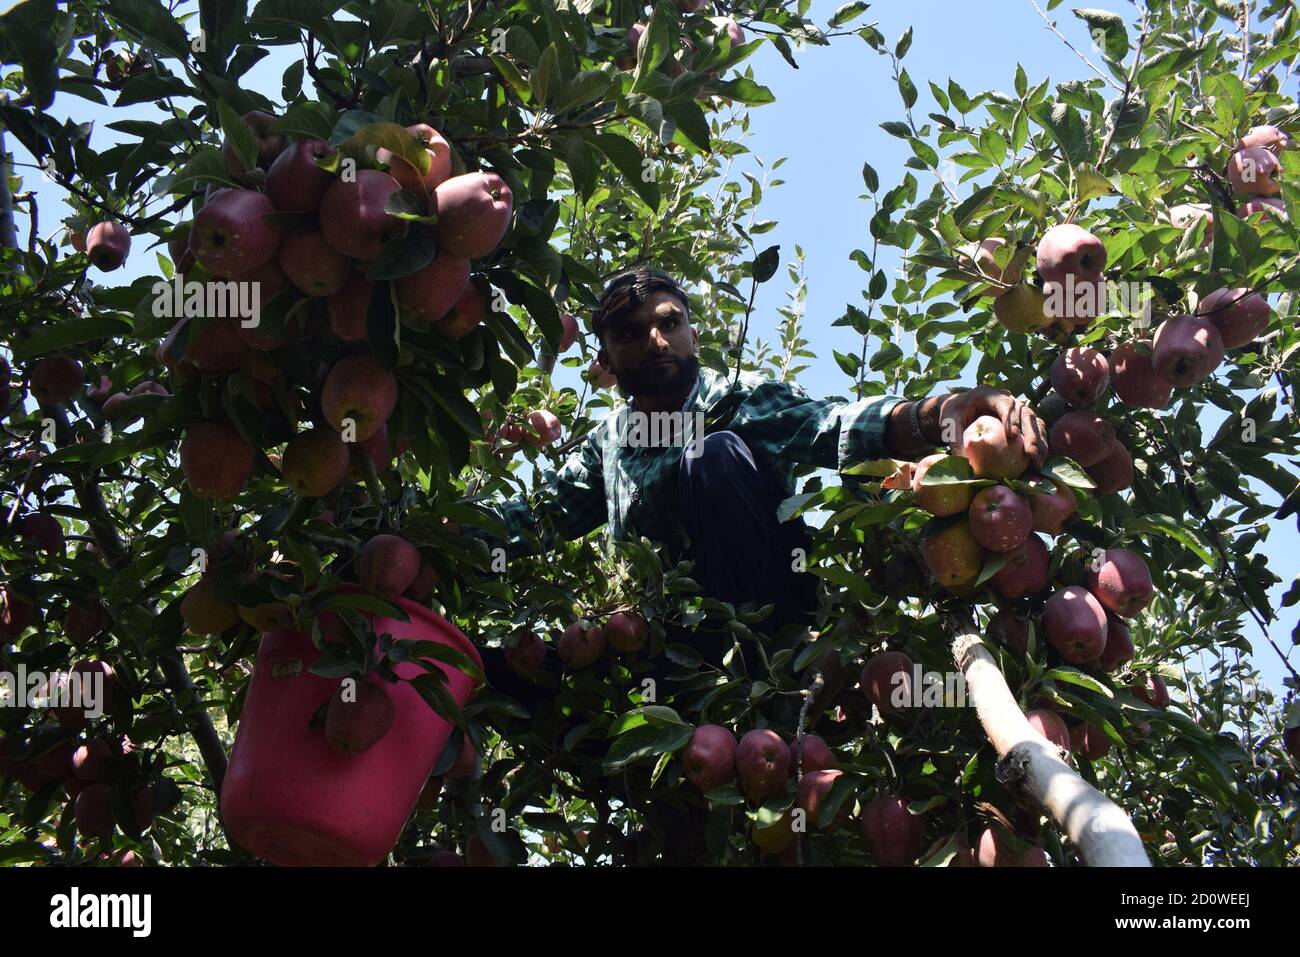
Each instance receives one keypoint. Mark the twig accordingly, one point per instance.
(1052, 26)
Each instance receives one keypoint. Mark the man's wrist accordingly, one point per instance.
(929, 426)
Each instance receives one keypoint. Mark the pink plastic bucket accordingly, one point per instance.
(291, 799)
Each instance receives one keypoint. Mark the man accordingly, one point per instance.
(712, 498)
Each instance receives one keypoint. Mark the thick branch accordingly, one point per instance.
(118, 555)
(1094, 824)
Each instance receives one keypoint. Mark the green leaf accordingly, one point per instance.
(403, 256)
(645, 742)
(236, 132)
(907, 89)
(848, 12)
(1166, 525)
(1107, 30)
(53, 336)
(630, 161)
(1067, 472)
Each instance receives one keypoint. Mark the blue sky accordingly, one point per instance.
(826, 122)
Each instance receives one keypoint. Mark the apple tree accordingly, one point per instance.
(417, 208)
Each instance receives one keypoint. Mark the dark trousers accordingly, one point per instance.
(742, 554)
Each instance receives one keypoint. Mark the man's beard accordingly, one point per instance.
(649, 378)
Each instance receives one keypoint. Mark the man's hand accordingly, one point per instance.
(960, 409)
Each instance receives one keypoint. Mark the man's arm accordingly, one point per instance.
(569, 504)
(781, 420)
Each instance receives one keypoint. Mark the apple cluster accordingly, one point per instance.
(102, 776)
(582, 642)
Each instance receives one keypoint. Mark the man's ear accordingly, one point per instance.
(695, 341)
(603, 358)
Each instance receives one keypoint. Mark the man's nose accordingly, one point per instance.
(658, 341)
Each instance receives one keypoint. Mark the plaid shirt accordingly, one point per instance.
(633, 487)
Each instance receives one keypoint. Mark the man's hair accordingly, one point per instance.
(629, 289)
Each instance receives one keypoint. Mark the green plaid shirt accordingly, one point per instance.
(632, 487)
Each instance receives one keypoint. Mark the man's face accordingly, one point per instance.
(652, 348)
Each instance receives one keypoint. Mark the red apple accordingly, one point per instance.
(1075, 624)
(473, 213)
(1152, 690)
(312, 264)
(1011, 630)
(357, 720)
(569, 336)
(1114, 472)
(1268, 205)
(709, 760)
(953, 556)
(358, 390)
(56, 379)
(314, 462)
(231, 235)
(1069, 259)
(1082, 436)
(1136, 382)
(813, 789)
(1186, 215)
(580, 644)
(894, 834)
(347, 308)
(438, 151)
(1123, 582)
(216, 460)
(1025, 570)
(991, 452)
(269, 145)
(1268, 137)
(1000, 519)
(1119, 644)
(465, 316)
(431, 292)
(295, 183)
(41, 531)
(527, 654)
(387, 566)
(1051, 511)
(600, 377)
(817, 755)
(93, 810)
(1255, 171)
(544, 429)
(1050, 726)
(886, 678)
(1240, 315)
(986, 260)
(466, 762)
(353, 216)
(1080, 376)
(107, 245)
(626, 630)
(1090, 741)
(762, 764)
(996, 850)
(1186, 349)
